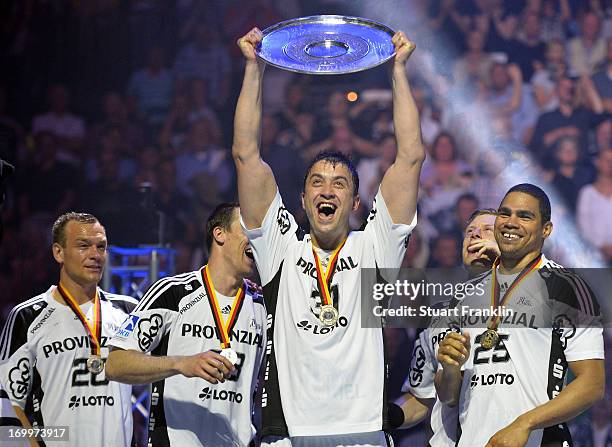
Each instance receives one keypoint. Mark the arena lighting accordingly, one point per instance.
(352, 96)
(432, 57)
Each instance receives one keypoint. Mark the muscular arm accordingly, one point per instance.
(256, 183)
(586, 389)
(399, 186)
(133, 367)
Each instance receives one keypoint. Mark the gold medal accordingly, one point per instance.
(489, 339)
(329, 315)
(95, 364)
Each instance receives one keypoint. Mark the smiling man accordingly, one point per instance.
(511, 390)
(53, 347)
(205, 336)
(325, 377)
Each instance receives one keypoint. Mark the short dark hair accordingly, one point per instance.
(335, 157)
(481, 212)
(220, 217)
(537, 193)
(58, 230)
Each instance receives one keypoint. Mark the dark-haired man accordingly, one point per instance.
(325, 377)
(53, 347)
(511, 390)
(479, 252)
(204, 331)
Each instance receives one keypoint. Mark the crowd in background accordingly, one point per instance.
(124, 109)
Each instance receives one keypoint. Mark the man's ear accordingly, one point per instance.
(356, 202)
(302, 200)
(58, 252)
(548, 227)
(219, 235)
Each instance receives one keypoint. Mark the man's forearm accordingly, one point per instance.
(586, 389)
(448, 386)
(406, 118)
(414, 409)
(135, 368)
(25, 422)
(247, 122)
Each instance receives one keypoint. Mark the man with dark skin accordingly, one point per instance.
(516, 409)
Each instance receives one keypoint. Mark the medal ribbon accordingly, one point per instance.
(223, 330)
(495, 289)
(324, 277)
(94, 332)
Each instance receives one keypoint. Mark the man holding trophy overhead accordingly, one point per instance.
(325, 375)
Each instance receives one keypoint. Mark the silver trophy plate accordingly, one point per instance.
(327, 44)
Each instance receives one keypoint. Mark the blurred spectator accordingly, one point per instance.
(555, 15)
(588, 49)
(68, 128)
(603, 136)
(417, 252)
(199, 155)
(199, 105)
(595, 429)
(602, 79)
(56, 182)
(465, 207)
(112, 139)
(594, 208)
(543, 82)
(430, 127)
(170, 201)
(294, 105)
(147, 166)
(474, 65)
(176, 126)
(285, 163)
(568, 120)
(528, 49)
(151, 88)
(444, 169)
(115, 113)
(569, 174)
(371, 170)
(113, 200)
(445, 252)
(507, 97)
(205, 57)
(11, 132)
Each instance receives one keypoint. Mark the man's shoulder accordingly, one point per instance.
(124, 303)
(168, 292)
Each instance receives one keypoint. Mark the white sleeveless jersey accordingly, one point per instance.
(175, 318)
(320, 380)
(556, 320)
(420, 383)
(43, 369)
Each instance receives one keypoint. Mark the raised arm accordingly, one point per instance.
(256, 184)
(400, 184)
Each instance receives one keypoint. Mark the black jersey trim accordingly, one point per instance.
(556, 435)
(15, 333)
(272, 415)
(124, 303)
(33, 406)
(159, 287)
(158, 427)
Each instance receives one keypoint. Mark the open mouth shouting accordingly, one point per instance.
(326, 211)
